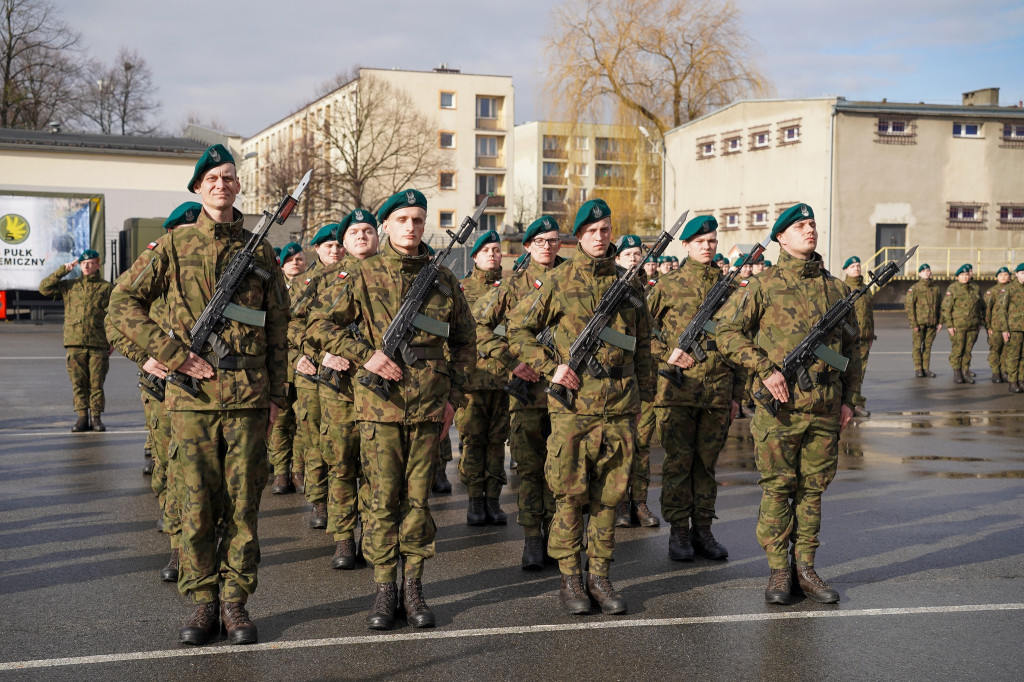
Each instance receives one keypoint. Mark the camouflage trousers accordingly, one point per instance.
(995, 352)
(865, 346)
(399, 461)
(923, 339)
(693, 437)
(483, 429)
(528, 442)
(307, 419)
(640, 473)
(222, 461)
(163, 481)
(1012, 360)
(444, 449)
(797, 455)
(962, 344)
(346, 496)
(87, 368)
(280, 446)
(589, 458)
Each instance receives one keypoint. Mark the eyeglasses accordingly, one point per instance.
(546, 242)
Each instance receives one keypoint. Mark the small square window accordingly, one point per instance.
(732, 220)
(733, 145)
(759, 140)
(447, 100)
(447, 140)
(708, 149)
(966, 130)
(447, 219)
(447, 180)
(581, 143)
(759, 217)
(791, 134)
(582, 170)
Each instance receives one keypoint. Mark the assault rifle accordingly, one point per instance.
(813, 347)
(152, 384)
(408, 319)
(220, 308)
(597, 331)
(328, 377)
(692, 339)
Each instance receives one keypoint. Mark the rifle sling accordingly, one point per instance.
(243, 315)
(618, 339)
(430, 325)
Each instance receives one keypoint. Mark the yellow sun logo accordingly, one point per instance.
(14, 228)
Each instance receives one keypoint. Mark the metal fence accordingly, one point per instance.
(946, 260)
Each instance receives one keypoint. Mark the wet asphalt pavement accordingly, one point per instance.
(923, 536)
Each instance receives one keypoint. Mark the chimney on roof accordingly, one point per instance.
(444, 68)
(54, 127)
(989, 97)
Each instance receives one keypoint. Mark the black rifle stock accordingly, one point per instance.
(152, 384)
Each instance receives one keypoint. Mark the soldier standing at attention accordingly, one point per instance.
(85, 306)
(962, 314)
(287, 466)
(218, 439)
(693, 419)
(757, 267)
(591, 446)
(797, 450)
(864, 310)
(651, 270)
(399, 436)
(484, 423)
(664, 265)
(922, 306)
(1011, 311)
(530, 421)
(996, 325)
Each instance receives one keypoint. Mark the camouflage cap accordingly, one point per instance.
(215, 155)
(590, 212)
(850, 261)
(966, 267)
(543, 224)
(739, 260)
(1002, 270)
(628, 241)
(287, 251)
(793, 214)
(488, 237)
(88, 254)
(924, 266)
(186, 214)
(327, 233)
(403, 199)
(702, 224)
(356, 217)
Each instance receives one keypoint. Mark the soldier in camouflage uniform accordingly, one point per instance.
(996, 325)
(796, 451)
(218, 438)
(484, 423)
(693, 419)
(530, 422)
(287, 466)
(399, 436)
(1010, 315)
(962, 313)
(864, 310)
(591, 446)
(88, 352)
(922, 306)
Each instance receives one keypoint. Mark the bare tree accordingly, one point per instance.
(119, 99)
(524, 207)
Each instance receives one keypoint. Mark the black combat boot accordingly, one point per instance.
(603, 594)
(861, 412)
(82, 424)
(1005, 377)
(997, 378)
(1015, 387)
(344, 555)
(573, 595)
(705, 544)
(476, 515)
(492, 510)
(814, 587)
(442, 486)
(958, 376)
(96, 424)
(169, 574)
(237, 624)
(299, 482)
(623, 515)
(919, 373)
(679, 547)
(385, 603)
(968, 376)
(281, 485)
(318, 515)
(928, 373)
(644, 515)
(533, 553)
(779, 585)
(417, 613)
(201, 625)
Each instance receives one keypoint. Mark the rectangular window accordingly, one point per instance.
(447, 180)
(731, 220)
(1013, 135)
(581, 194)
(966, 130)
(447, 100)
(581, 143)
(582, 170)
(446, 219)
(733, 145)
(486, 184)
(488, 221)
(759, 139)
(447, 140)
(554, 147)
(966, 216)
(759, 217)
(706, 149)
(1011, 214)
(551, 169)
(487, 107)
(790, 134)
(487, 146)
(551, 194)
(889, 130)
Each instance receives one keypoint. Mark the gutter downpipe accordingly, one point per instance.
(831, 180)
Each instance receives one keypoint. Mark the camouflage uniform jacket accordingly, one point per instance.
(85, 304)
(922, 303)
(780, 307)
(995, 306)
(962, 306)
(493, 313)
(324, 289)
(673, 301)
(1009, 310)
(566, 302)
(123, 344)
(300, 296)
(863, 308)
(490, 374)
(294, 287)
(184, 266)
(370, 295)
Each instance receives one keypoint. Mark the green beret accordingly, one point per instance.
(430, 249)
(969, 267)
(488, 237)
(628, 241)
(288, 250)
(850, 261)
(702, 224)
(718, 258)
(739, 260)
(327, 233)
(793, 214)
(966, 267)
(543, 224)
(673, 259)
(1019, 268)
(356, 217)
(404, 199)
(767, 263)
(88, 254)
(924, 266)
(186, 214)
(214, 156)
(759, 259)
(519, 260)
(1002, 270)
(590, 212)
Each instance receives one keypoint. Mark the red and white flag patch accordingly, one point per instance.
(536, 284)
(151, 246)
(342, 275)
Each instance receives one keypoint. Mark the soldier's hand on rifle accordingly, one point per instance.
(447, 419)
(845, 417)
(155, 367)
(681, 359)
(196, 367)
(526, 373)
(566, 377)
(384, 367)
(305, 366)
(777, 386)
(336, 363)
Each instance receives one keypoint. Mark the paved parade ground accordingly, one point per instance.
(922, 534)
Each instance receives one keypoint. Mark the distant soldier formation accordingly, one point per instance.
(339, 381)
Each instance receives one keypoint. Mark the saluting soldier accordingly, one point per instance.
(399, 436)
(88, 351)
(797, 450)
(1011, 311)
(218, 439)
(592, 444)
(530, 422)
(922, 306)
(863, 308)
(996, 325)
(962, 313)
(693, 419)
(287, 466)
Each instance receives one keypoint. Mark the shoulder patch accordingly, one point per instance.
(949, 293)
(744, 283)
(462, 288)
(651, 282)
(497, 283)
(342, 275)
(536, 284)
(151, 246)
(308, 280)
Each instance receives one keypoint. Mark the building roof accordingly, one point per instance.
(141, 145)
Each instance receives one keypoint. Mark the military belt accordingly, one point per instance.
(620, 372)
(427, 352)
(710, 345)
(237, 361)
(824, 378)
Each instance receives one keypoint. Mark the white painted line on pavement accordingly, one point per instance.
(30, 432)
(491, 632)
(48, 357)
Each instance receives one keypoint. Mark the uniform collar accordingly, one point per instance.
(857, 281)
(221, 230)
(400, 261)
(710, 271)
(801, 269)
(486, 276)
(599, 267)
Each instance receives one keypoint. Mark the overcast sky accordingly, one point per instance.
(248, 64)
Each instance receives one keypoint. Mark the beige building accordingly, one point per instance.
(470, 119)
(879, 175)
